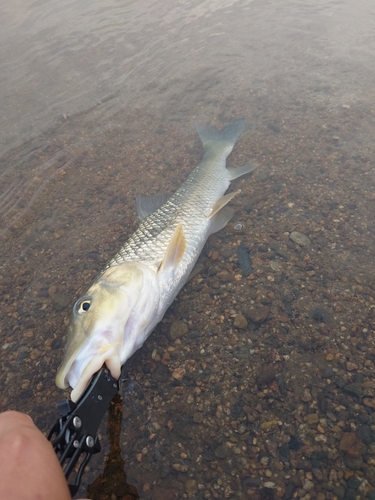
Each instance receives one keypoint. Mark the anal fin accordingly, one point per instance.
(235, 173)
(221, 202)
(221, 219)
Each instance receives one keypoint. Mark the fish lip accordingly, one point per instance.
(110, 358)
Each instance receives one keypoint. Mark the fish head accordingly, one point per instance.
(108, 324)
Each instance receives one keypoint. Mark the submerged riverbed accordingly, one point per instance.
(259, 386)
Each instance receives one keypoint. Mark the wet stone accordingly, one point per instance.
(353, 463)
(339, 491)
(353, 483)
(328, 372)
(284, 451)
(289, 491)
(370, 402)
(242, 352)
(300, 238)
(312, 419)
(266, 377)
(250, 482)
(354, 389)
(159, 493)
(60, 301)
(351, 443)
(294, 443)
(23, 353)
(240, 322)
(178, 329)
(198, 417)
(350, 494)
(259, 314)
(365, 432)
(320, 314)
(222, 452)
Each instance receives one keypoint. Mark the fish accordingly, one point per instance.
(130, 296)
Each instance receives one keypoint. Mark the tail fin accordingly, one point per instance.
(210, 135)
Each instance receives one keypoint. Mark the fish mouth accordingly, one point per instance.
(79, 378)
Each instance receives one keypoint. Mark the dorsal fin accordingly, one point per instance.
(175, 250)
(146, 205)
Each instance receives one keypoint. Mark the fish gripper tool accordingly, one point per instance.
(74, 436)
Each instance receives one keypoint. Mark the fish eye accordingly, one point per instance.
(83, 305)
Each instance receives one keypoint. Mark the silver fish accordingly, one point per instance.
(130, 296)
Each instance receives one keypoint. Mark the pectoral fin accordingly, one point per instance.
(221, 202)
(175, 250)
(235, 173)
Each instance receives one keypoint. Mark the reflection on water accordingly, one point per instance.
(98, 103)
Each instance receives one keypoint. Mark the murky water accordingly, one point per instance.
(98, 102)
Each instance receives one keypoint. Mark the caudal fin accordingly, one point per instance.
(210, 135)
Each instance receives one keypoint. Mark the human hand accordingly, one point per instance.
(29, 468)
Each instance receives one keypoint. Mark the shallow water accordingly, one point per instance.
(98, 103)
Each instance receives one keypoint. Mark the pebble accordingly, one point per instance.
(222, 452)
(177, 330)
(289, 491)
(306, 396)
(295, 443)
(240, 322)
(159, 493)
(312, 418)
(179, 373)
(244, 260)
(300, 238)
(339, 491)
(250, 482)
(35, 354)
(60, 301)
(259, 314)
(355, 389)
(351, 366)
(198, 417)
(320, 314)
(351, 443)
(370, 402)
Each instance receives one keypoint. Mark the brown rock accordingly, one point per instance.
(35, 354)
(240, 321)
(52, 291)
(159, 493)
(179, 373)
(351, 443)
(198, 417)
(178, 330)
(370, 402)
(351, 366)
(259, 314)
(306, 396)
(312, 419)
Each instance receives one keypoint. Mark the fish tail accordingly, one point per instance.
(211, 136)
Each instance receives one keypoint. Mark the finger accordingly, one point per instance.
(14, 420)
(25, 453)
